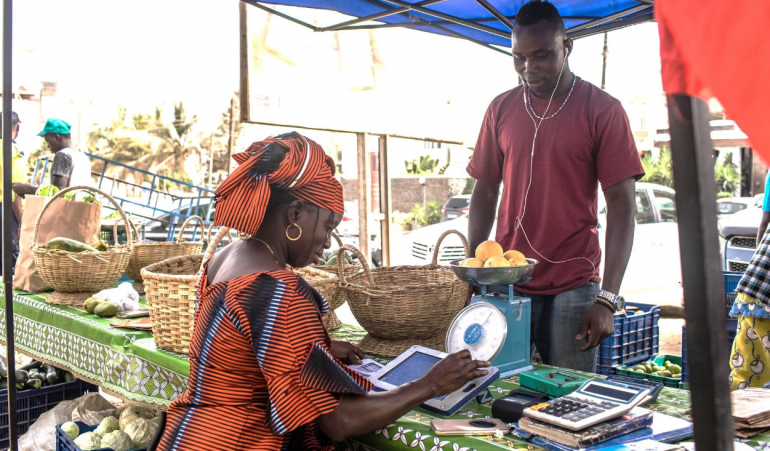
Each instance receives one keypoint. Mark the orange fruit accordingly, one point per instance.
(487, 250)
(511, 255)
(518, 261)
(472, 263)
(496, 262)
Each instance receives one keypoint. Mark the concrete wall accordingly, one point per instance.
(407, 191)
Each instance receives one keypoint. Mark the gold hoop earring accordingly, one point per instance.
(298, 236)
(244, 236)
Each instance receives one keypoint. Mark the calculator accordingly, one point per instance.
(594, 402)
(654, 387)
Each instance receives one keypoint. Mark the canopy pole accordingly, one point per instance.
(500, 16)
(379, 15)
(451, 18)
(7, 135)
(386, 205)
(701, 272)
(364, 173)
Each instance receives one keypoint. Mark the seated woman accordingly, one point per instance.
(264, 373)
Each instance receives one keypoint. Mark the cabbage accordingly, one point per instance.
(47, 191)
(133, 413)
(89, 199)
(89, 440)
(71, 429)
(107, 425)
(118, 441)
(143, 431)
(69, 195)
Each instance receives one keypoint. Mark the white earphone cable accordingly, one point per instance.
(519, 219)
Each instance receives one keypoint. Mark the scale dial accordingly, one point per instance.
(480, 328)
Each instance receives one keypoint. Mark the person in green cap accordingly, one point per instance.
(71, 167)
(19, 174)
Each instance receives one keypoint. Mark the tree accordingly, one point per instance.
(424, 166)
(726, 175)
(658, 170)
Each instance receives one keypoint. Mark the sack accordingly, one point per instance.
(67, 219)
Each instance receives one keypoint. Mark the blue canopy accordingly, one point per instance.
(485, 22)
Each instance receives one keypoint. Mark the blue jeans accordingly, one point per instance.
(556, 321)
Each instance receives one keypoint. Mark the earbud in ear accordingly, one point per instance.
(566, 51)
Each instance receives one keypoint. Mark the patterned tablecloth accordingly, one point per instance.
(127, 364)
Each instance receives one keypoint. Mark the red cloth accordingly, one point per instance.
(715, 48)
(589, 141)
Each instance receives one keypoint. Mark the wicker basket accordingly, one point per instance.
(76, 276)
(171, 290)
(326, 283)
(406, 305)
(145, 254)
(348, 270)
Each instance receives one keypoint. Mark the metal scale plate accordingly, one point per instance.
(502, 336)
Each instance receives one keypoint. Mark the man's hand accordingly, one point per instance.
(597, 325)
(346, 352)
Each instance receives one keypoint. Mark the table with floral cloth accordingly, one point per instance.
(126, 363)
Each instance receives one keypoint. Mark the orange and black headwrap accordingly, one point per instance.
(306, 172)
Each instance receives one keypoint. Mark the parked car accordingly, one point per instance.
(732, 205)
(654, 260)
(347, 230)
(455, 207)
(738, 238)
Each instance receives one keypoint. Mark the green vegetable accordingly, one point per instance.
(675, 369)
(91, 303)
(47, 191)
(3, 384)
(68, 196)
(31, 365)
(71, 429)
(51, 375)
(332, 261)
(21, 376)
(117, 441)
(666, 374)
(106, 309)
(109, 424)
(33, 383)
(142, 431)
(133, 413)
(37, 376)
(69, 245)
(89, 199)
(114, 215)
(68, 377)
(87, 441)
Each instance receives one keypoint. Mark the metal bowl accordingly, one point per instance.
(504, 275)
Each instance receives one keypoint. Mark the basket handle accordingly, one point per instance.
(361, 258)
(208, 235)
(434, 262)
(115, 230)
(212, 248)
(337, 239)
(36, 232)
(180, 238)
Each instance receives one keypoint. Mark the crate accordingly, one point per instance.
(30, 404)
(732, 325)
(659, 359)
(63, 443)
(731, 283)
(635, 339)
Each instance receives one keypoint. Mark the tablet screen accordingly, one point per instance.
(414, 367)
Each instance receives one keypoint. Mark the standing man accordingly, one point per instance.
(550, 142)
(71, 167)
(19, 174)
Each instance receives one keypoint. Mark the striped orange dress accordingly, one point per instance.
(261, 372)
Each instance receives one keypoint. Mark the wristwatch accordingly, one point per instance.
(610, 300)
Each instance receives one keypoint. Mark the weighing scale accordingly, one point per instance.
(495, 326)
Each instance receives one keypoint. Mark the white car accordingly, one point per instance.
(654, 263)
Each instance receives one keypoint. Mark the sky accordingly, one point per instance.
(147, 53)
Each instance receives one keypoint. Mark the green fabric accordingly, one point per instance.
(127, 363)
(57, 126)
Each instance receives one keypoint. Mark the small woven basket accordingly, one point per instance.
(76, 276)
(171, 290)
(326, 283)
(145, 254)
(404, 306)
(348, 270)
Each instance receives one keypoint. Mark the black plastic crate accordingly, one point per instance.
(63, 443)
(30, 404)
(636, 338)
(731, 283)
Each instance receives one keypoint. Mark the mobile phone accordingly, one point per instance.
(484, 426)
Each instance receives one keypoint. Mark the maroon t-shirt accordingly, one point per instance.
(588, 142)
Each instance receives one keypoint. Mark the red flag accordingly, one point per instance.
(713, 48)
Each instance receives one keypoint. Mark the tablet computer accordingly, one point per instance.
(414, 363)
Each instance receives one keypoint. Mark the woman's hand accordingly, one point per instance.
(346, 352)
(454, 371)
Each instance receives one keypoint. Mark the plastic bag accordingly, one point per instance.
(41, 436)
(92, 409)
(125, 296)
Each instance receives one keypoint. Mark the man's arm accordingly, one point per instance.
(763, 226)
(60, 181)
(482, 213)
(621, 204)
(22, 189)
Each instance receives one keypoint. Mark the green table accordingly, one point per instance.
(127, 363)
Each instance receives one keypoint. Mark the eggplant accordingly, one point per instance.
(3, 384)
(68, 377)
(3, 369)
(51, 375)
(31, 365)
(21, 376)
(33, 383)
(36, 375)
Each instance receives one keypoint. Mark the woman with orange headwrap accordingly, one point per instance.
(264, 373)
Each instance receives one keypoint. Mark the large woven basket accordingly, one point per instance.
(171, 288)
(145, 254)
(347, 270)
(404, 306)
(76, 276)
